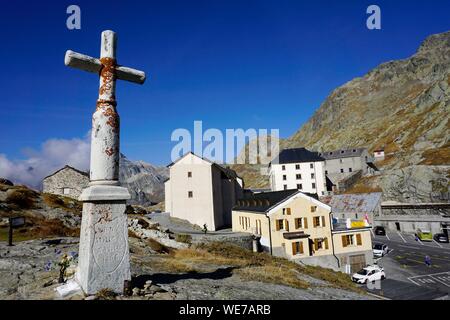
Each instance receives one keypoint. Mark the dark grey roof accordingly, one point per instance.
(295, 235)
(263, 201)
(297, 155)
(68, 167)
(359, 202)
(343, 153)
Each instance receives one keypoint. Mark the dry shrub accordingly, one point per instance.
(335, 279)
(185, 238)
(158, 247)
(22, 197)
(52, 200)
(62, 202)
(106, 294)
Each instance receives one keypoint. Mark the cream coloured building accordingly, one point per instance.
(299, 227)
(299, 169)
(202, 192)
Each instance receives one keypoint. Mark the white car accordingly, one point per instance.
(380, 249)
(369, 274)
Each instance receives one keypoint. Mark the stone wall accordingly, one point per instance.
(68, 179)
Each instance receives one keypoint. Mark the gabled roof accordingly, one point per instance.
(342, 153)
(229, 173)
(68, 167)
(263, 202)
(296, 155)
(359, 202)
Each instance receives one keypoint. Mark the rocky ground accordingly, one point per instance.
(28, 270)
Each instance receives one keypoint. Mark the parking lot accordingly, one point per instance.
(408, 277)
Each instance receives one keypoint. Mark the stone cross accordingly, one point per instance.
(103, 256)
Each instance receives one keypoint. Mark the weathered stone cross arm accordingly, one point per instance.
(94, 65)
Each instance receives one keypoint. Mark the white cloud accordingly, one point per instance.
(53, 155)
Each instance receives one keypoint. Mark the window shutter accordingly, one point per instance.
(326, 243)
(305, 222)
(301, 247)
(277, 225)
(294, 249)
(287, 225)
(358, 239)
(344, 241)
(323, 221)
(314, 222)
(296, 224)
(288, 211)
(316, 244)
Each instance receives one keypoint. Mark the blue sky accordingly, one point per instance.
(232, 64)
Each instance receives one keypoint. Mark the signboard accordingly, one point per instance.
(17, 222)
(358, 224)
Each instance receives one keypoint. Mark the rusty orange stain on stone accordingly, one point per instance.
(108, 75)
(109, 151)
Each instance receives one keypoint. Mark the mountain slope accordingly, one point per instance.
(402, 106)
(144, 181)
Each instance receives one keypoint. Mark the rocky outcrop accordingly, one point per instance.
(144, 181)
(401, 106)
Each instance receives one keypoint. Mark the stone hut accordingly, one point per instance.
(67, 181)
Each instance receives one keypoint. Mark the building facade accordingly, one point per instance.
(299, 169)
(201, 192)
(297, 226)
(340, 165)
(67, 181)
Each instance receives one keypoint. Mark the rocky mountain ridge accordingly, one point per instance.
(402, 106)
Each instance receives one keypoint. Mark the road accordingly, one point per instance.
(408, 277)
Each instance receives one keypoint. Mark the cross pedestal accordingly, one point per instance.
(104, 254)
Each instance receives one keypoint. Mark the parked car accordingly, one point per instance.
(441, 237)
(379, 231)
(424, 235)
(380, 249)
(369, 274)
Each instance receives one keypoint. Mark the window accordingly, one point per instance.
(320, 243)
(313, 208)
(312, 175)
(342, 170)
(283, 167)
(356, 216)
(297, 248)
(349, 169)
(319, 221)
(297, 167)
(298, 223)
(285, 187)
(189, 174)
(284, 177)
(258, 227)
(66, 190)
(311, 165)
(190, 194)
(299, 186)
(313, 185)
(326, 171)
(298, 176)
(287, 211)
(354, 150)
(316, 222)
(347, 240)
(279, 224)
(340, 160)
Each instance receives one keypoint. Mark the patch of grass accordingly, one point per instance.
(106, 294)
(37, 228)
(185, 238)
(22, 197)
(62, 202)
(253, 266)
(158, 247)
(273, 274)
